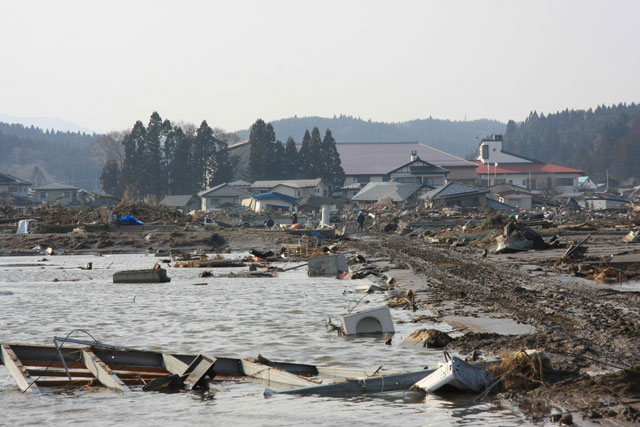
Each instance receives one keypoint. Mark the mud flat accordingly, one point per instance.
(586, 330)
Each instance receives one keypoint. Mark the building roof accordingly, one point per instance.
(508, 188)
(498, 205)
(522, 168)
(6, 179)
(224, 190)
(293, 183)
(178, 201)
(396, 191)
(378, 158)
(239, 183)
(56, 186)
(421, 167)
(318, 201)
(16, 200)
(453, 190)
(273, 196)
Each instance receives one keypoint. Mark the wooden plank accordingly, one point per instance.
(198, 368)
(174, 365)
(265, 372)
(17, 370)
(102, 372)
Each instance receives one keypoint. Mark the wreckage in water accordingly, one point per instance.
(86, 363)
(455, 373)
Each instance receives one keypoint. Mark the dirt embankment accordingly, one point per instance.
(583, 328)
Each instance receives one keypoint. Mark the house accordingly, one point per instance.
(497, 166)
(89, 198)
(397, 192)
(417, 170)
(315, 203)
(14, 192)
(512, 195)
(223, 195)
(586, 184)
(455, 194)
(375, 161)
(58, 193)
(296, 188)
(599, 202)
(183, 203)
(270, 201)
(240, 153)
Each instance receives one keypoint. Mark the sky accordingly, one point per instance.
(104, 65)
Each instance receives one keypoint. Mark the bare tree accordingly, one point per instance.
(109, 147)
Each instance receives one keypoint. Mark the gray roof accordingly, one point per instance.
(223, 190)
(451, 190)
(378, 158)
(419, 166)
(56, 186)
(239, 183)
(178, 201)
(293, 183)
(396, 191)
(508, 188)
(6, 179)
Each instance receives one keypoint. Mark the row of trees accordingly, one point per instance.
(596, 141)
(162, 159)
(317, 157)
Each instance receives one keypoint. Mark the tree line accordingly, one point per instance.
(163, 158)
(596, 141)
(270, 159)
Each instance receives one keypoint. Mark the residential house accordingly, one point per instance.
(512, 195)
(397, 192)
(183, 203)
(223, 195)
(419, 171)
(588, 185)
(296, 188)
(604, 201)
(265, 202)
(497, 166)
(315, 203)
(455, 194)
(58, 193)
(14, 192)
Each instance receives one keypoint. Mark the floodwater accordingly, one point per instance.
(281, 318)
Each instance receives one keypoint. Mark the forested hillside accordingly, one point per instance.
(454, 137)
(597, 141)
(59, 156)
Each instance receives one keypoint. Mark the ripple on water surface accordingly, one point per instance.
(282, 319)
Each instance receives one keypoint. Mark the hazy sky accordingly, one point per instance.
(104, 65)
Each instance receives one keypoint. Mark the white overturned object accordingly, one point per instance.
(376, 320)
(23, 226)
(456, 373)
(326, 216)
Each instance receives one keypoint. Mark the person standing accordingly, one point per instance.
(361, 219)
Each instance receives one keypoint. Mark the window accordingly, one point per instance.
(564, 182)
(65, 194)
(44, 195)
(363, 178)
(485, 152)
(524, 182)
(510, 182)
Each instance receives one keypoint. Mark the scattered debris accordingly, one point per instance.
(155, 275)
(373, 321)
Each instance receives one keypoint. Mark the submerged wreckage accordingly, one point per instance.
(91, 363)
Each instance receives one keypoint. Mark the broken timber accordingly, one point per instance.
(102, 372)
(17, 371)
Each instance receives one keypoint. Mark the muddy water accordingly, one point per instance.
(280, 318)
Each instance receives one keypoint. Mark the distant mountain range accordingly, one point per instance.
(45, 123)
(455, 137)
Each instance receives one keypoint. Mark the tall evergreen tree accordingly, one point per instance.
(204, 160)
(109, 178)
(315, 152)
(305, 164)
(258, 150)
(290, 163)
(152, 180)
(133, 144)
(333, 173)
(277, 161)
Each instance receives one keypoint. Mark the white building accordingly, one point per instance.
(496, 166)
(296, 188)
